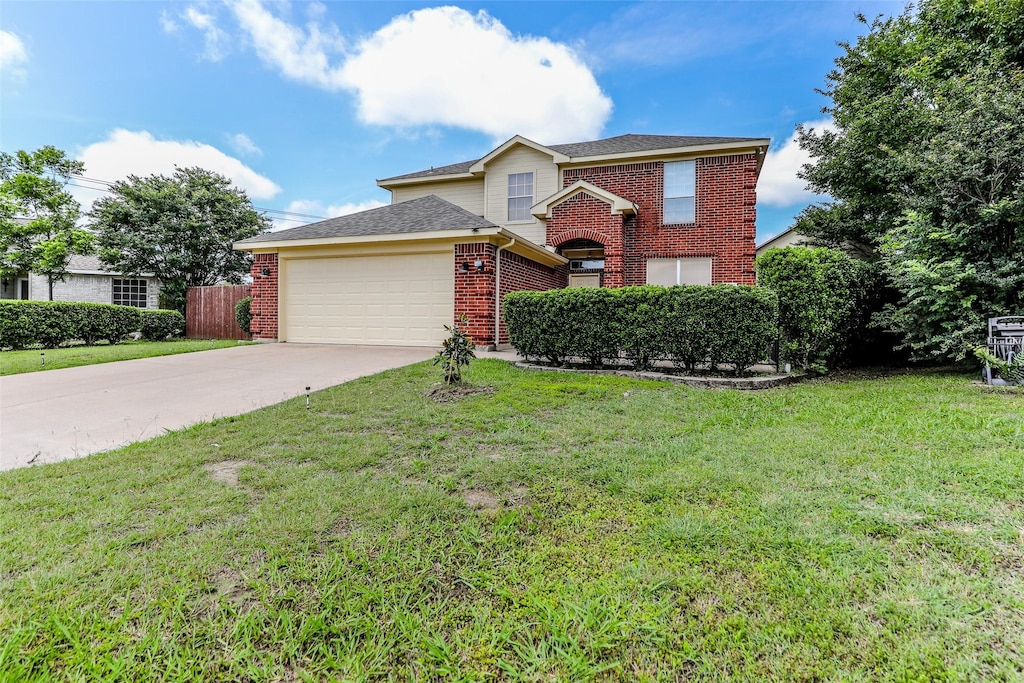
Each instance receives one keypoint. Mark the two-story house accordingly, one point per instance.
(627, 210)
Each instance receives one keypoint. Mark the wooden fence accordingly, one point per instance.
(210, 312)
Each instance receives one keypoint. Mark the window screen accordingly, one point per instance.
(520, 196)
(680, 192)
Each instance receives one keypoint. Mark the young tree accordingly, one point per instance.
(179, 228)
(925, 166)
(38, 231)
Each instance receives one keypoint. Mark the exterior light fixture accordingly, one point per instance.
(479, 265)
(465, 266)
(265, 272)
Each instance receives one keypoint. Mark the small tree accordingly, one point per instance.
(181, 229)
(38, 231)
(455, 353)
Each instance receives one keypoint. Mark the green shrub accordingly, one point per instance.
(54, 323)
(158, 325)
(715, 325)
(823, 296)
(243, 314)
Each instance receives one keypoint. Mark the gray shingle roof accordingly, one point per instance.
(79, 262)
(426, 214)
(620, 144)
(623, 144)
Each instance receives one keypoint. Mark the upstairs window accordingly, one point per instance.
(680, 190)
(130, 293)
(520, 196)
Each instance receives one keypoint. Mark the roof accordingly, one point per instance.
(88, 263)
(426, 214)
(620, 144)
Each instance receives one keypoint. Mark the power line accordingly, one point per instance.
(280, 214)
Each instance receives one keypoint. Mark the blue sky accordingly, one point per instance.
(305, 104)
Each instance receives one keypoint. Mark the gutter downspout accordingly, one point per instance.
(497, 292)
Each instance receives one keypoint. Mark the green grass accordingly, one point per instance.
(562, 527)
(17, 362)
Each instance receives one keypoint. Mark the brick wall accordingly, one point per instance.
(264, 297)
(474, 290)
(724, 228)
(519, 273)
(584, 216)
(95, 289)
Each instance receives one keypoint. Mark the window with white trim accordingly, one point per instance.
(680, 192)
(130, 293)
(679, 271)
(520, 196)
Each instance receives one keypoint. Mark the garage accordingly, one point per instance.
(395, 300)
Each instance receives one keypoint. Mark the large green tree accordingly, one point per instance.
(180, 228)
(925, 166)
(38, 217)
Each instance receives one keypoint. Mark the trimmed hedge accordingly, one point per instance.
(159, 325)
(689, 325)
(54, 323)
(825, 301)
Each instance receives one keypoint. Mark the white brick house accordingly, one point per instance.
(87, 282)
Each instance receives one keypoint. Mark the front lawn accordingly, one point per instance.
(17, 362)
(559, 527)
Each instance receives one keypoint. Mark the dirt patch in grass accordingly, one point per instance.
(229, 584)
(226, 471)
(443, 393)
(478, 499)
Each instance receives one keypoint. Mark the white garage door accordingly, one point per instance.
(399, 300)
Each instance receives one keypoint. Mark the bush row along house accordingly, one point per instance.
(626, 210)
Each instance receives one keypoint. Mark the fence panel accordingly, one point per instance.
(210, 312)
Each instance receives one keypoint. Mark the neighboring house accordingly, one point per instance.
(788, 238)
(627, 210)
(87, 281)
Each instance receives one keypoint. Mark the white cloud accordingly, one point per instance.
(242, 144)
(440, 66)
(778, 184)
(447, 66)
(12, 51)
(126, 153)
(213, 37)
(302, 55)
(167, 23)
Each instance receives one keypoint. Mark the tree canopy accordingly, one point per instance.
(180, 228)
(925, 168)
(38, 217)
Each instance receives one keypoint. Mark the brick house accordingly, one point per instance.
(627, 210)
(86, 281)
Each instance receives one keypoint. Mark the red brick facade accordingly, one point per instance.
(264, 296)
(474, 288)
(724, 228)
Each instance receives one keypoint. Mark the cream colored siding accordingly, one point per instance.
(396, 300)
(469, 194)
(519, 159)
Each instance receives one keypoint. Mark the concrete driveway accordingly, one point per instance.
(60, 414)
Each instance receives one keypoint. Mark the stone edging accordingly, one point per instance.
(744, 383)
